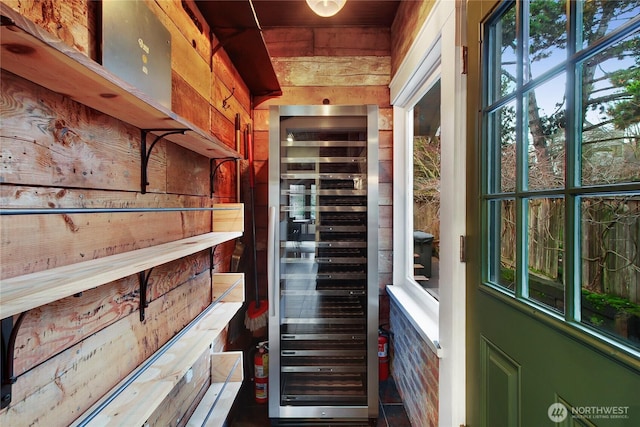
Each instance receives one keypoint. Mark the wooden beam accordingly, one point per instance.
(327, 71)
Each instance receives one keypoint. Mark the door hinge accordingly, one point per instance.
(463, 248)
(465, 59)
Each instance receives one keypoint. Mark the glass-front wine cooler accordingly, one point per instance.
(323, 269)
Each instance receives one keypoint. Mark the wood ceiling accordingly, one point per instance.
(296, 13)
(239, 23)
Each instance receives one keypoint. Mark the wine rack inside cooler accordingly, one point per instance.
(324, 338)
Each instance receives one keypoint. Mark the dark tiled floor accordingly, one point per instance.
(248, 413)
(392, 413)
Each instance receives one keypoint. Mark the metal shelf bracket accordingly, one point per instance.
(9, 334)
(146, 154)
(143, 278)
(212, 255)
(214, 165)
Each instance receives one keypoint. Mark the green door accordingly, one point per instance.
(553, 320)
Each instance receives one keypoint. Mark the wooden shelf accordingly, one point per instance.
(215, 405)
(224, 287)
(228, 217)
(36, 55)
(22, 293)
(227, 373)
(137, 396)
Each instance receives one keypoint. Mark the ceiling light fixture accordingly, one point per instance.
(326, 8)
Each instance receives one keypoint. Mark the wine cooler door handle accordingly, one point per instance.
(271, 243)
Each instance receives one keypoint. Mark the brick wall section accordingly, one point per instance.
(415, 370)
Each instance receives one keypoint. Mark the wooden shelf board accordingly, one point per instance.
(31, 52)
(227, 367)
(21, 293)
(215, 416)
(229, 285)
(133, 404)
(228, 216)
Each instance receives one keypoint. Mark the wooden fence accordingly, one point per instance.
(610, 244)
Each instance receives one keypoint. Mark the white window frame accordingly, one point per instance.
(436, 54)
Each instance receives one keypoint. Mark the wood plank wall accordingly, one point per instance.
(348, 66)
(58, 153)
(404, 30)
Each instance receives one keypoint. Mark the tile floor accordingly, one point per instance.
(392, 413)
(248, 413)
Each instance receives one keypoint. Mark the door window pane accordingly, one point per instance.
(611, 265)
(501, 126)
(503, 81)
(546, 124)
(502, 243)
(611, 114)
(547, 37)
(601, 17)
(426, 190)
(545, 246)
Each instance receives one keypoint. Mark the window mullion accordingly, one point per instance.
(573, 142)
(522, 242)
(521, 287)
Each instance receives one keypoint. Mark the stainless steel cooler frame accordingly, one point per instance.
(335, 408)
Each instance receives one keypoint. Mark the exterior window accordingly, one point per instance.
(426, 190)
(561, 167)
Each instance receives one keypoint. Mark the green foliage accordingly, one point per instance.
(602, 301)
(626, 112)
(508, 274)
(508, 277)
(596, 320)
(547, 27)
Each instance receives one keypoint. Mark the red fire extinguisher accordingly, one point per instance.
(261, 372)
(383, 354)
